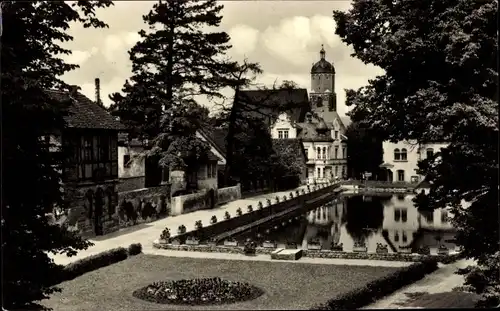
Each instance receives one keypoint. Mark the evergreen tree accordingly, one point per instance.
(31, 64)
(175, 59)
(440, 84)
(365, 151)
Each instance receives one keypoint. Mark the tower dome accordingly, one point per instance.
(322, 66)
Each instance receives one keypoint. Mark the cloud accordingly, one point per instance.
(78, 57)
(291, 39)
(243, 38)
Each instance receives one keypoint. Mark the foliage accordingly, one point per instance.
(182, 229)
(209, 291)
(198, 224)
(440, 84)
(365, 150)
(250, 247)
(213, 220)
(134, 249)
(32, 63)
(167, 72)
(249, 208)
(227, 215)
(379, 288)
(287, 163)
(94, 262)
(165, 235)
(239, 212)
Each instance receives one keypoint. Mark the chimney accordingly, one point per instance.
(98, 91)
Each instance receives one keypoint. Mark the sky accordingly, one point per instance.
(285, 37)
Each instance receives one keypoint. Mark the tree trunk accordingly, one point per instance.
(230, 138)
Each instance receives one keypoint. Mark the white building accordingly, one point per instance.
(323, 130)
(401, 159)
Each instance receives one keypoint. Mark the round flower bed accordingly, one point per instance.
(208, 291)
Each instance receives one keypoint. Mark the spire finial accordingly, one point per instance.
(322, 52)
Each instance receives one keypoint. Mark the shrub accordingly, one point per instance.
(291, 195)
(198, 224)
(260, 205)
(250, 247)
(303, 191)
(91, 263)
(308, 188)
(134, 249)
(213, 220)
(181, 229)
(165, 235)
(269, 203)
(297, 193)
(424, 250)
(239, 212)
(284, 198)
(277, 199)
(381, 287)
(249, 208)
(227, 215)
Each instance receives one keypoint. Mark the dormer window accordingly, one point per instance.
(283, 133)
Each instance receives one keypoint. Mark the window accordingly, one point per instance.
(397, 214)
(319, 173)
(318, 153)
(429, 216)
(324, 153)
(165, 171)
(336, 170)
(343, 153)
(403, 155)
(283, 133)
(401, 175)
(396, 236)
(404, 215)
(343, 171)
(126, 160)
(404, 237)
(336, 152)
(397, 155)
(323, 174)
(430, 153)
(336, 135)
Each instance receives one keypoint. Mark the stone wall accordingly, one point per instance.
(143, 205)
(84, 200)
(204, 199)
(306, 253)
(228, 194)
(131, 183)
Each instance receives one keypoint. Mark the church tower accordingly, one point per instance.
(322, 96)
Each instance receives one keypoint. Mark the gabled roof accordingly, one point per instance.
(83, 113)
(268, 104)
(216, 137)
(307, 131)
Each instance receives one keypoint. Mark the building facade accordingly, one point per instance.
(322, 131)
(400, 160)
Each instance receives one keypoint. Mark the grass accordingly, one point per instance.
(286, 285)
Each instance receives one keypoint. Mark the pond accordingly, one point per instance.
(387, 219)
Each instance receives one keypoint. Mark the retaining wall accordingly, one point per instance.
(228, 194)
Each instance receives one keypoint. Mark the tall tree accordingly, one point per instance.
(440, 84)
(176, 58)
(365, 151)
(31, 63)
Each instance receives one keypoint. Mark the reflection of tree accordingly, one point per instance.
(362, 218)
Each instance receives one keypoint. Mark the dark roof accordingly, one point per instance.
(323, 66)
(212, 156)
(268, 104)
(217, 138)
(307, 131)
(84, 113)
(291, 146)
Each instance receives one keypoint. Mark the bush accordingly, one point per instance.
(381, 287)
(134, 249)
(260, 205)
(198, 224)
(277, 199)
(213, 220)
(284, 198)
(239, 212)
(227, 215)
(91, 263)
(250, 247)
(165, 235)
(269, 203)
(249, 208)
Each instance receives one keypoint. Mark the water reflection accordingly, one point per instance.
(390, 220)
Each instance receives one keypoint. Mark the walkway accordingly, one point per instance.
(441, 281)
(147, 233)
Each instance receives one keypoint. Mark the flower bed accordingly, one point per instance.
(207, 291)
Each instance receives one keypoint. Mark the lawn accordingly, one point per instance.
(286, 285)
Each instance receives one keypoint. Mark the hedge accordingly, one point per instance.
(94, 262)
(381, 287)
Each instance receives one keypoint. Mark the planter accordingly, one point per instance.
(192, 242)
(360, 249)
(268, 244)
(314, 246)
(176, 242)
(230, 243)
(405, 250)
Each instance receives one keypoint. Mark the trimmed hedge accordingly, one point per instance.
(94, 262)
(381, 287)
